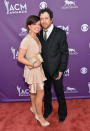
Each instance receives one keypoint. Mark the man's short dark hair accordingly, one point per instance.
(46, 10)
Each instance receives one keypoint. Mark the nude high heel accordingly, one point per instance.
(44, 124)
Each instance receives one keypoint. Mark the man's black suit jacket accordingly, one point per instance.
(57, 53)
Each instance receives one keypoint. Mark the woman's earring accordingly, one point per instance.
(30, 31)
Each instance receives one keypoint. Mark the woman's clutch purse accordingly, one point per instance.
(35, 59)
(39, 57)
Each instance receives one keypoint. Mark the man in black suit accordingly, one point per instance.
(55, 56)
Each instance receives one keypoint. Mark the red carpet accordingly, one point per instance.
(17, 117)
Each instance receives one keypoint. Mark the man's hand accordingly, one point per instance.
(59, 76)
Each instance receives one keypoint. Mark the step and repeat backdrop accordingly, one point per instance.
(73, 16)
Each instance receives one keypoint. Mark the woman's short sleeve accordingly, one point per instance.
(24, 44)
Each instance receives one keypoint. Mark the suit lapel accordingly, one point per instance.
(50, 38)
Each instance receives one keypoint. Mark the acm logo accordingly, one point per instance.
(65, 28)
(14, 53)
(15, 8)
(22, 92)
(89, 86)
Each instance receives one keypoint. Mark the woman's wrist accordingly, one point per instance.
(33, 65)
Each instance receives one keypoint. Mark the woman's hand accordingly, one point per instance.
(36, 64)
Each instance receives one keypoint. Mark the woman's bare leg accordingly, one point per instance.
(39, 100)
(33, 101)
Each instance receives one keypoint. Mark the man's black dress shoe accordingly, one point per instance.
(62, 119)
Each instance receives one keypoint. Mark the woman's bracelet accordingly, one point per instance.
(34, 63)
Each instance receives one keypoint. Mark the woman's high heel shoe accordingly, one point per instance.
(46, 123)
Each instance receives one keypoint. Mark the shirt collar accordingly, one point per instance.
(50, 28)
